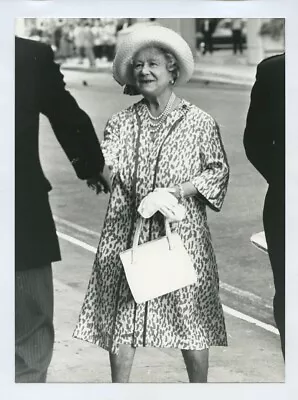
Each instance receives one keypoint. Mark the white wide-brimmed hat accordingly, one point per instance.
(143, 36)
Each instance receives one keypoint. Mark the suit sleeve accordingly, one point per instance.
(71, 125)
(258, 141)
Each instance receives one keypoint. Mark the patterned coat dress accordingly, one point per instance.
(187, 148)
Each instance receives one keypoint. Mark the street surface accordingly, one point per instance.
(253, 354)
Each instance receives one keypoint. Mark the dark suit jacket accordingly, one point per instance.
(264, 141)
(264, 136)
(39, 88)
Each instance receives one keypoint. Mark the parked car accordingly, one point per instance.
(222, 36)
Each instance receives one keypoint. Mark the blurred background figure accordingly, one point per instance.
(237, 26)
(79, 41)
(97, 30)
(207, 30)
(66, 43)
(88, 44)
(57, 37)
(109, 38)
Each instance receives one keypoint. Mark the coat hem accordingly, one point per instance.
(114, 347)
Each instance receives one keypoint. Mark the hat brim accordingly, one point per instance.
(152, 36)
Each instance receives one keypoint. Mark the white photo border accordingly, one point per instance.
(10, 10)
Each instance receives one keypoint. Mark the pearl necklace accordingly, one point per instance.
(166, 110)
(155, 122)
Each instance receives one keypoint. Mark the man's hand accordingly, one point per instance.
(101, 182)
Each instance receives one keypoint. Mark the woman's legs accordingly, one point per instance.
(197, 362)
(121, 364)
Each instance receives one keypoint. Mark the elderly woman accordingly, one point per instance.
(165, 144)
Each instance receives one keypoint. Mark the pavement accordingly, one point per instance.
(220, 67)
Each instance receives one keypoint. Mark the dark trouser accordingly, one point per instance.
(274, 226)
(237, 41)
(105, 50)
(90, 55)
(208, 42)
(81, 53)
(34, 331)
(98, 51)
(111, 52)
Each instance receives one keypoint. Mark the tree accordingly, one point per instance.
(275, 28)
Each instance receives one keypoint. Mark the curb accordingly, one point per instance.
(205, 77)
(222, 79)
(89, 70)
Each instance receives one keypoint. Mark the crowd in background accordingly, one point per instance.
(96, 38)
(91, 38)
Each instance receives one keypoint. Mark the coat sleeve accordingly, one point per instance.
(71, 125)
(111, 144)
(212, 180)
(258, 141)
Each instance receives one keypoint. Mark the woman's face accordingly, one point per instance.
(150, 72)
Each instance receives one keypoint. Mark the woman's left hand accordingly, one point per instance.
(174, 212)
(162, 200)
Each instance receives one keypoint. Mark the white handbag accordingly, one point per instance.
(157, 267)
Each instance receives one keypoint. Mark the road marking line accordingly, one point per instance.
(249, 319)
(229, 288)
(244, 293)
(75, 226)
(228, 310)
(77, 242)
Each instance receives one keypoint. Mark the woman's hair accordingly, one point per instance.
(172, 63)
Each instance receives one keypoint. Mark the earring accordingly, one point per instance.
(172, 81)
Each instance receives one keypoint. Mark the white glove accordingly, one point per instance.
(174, 212)
(162, 200)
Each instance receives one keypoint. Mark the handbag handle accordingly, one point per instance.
(138, 232)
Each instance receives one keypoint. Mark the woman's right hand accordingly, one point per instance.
(101, 182)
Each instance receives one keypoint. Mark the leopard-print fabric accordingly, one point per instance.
(189, 318)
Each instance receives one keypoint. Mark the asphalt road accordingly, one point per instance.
(246, 279)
